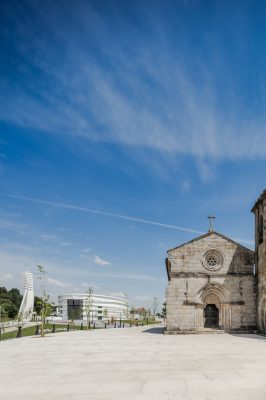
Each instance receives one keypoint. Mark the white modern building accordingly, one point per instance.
(95, 306)
(26, 306)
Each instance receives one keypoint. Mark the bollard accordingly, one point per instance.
(53, 329)
(94, 325)
(137, 324)
(115, 325)
(67, 327)
(0, 334)
(19, 334)
(36, 330)
(81, 326)
(142, 324)
(123, 324)
(104, 326)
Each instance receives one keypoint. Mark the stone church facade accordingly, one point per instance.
(215, 283)
(259, 210)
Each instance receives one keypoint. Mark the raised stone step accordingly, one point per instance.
(211, 331)
(195, 332)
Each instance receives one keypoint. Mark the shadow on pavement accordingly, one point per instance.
(156, 329)
(250, 336)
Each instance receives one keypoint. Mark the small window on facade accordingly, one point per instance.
(261, 229)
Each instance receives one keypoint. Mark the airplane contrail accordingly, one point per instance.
(105, 213)
(111, 214)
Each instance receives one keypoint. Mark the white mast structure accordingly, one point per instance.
(27, 304)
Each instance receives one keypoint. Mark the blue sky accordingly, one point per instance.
(123, 125)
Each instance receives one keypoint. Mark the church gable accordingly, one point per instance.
(211, 234)
(212, 253)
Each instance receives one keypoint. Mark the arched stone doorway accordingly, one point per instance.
(211, 316)
(211, 310)
(262, 316)
(218, 313)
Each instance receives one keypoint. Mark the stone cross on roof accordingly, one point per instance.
(211, 218)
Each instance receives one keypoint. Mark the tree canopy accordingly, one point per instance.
(10, 302)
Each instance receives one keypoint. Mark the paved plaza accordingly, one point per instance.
(133, 364)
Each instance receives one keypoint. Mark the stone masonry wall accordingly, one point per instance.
(260, 211)
(233, 285)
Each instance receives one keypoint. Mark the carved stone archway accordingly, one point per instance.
(262, 314)
(213, 294)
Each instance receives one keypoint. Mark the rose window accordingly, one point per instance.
(213, 259)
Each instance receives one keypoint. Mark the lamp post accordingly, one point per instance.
(120, 319)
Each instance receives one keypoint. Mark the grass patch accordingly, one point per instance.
(30, 330)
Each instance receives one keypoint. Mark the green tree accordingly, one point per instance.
(44, 302)
(4, 299)
(3, 292)
(132, 313)
(163, 313)
(10, 301)
(128, 313)
(73, 314)
(15, 297)
(3, 312)
(154, 305)
(12, 310)
(144, 314)
(105, 314)
(37, 305)
(88, 303)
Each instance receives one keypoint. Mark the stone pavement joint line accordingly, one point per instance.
(133, 364)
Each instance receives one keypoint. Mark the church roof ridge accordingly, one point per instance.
(209, 234)
(259, 200)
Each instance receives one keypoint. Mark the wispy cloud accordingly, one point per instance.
(99, 261)
(12, 225)
(144, 96)
(87, 250)
(118, 294)
(185, 185)
(6, 276)
(47, 236)
(87, 285)
(143, 298)
(56, 283)
(138, 277)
